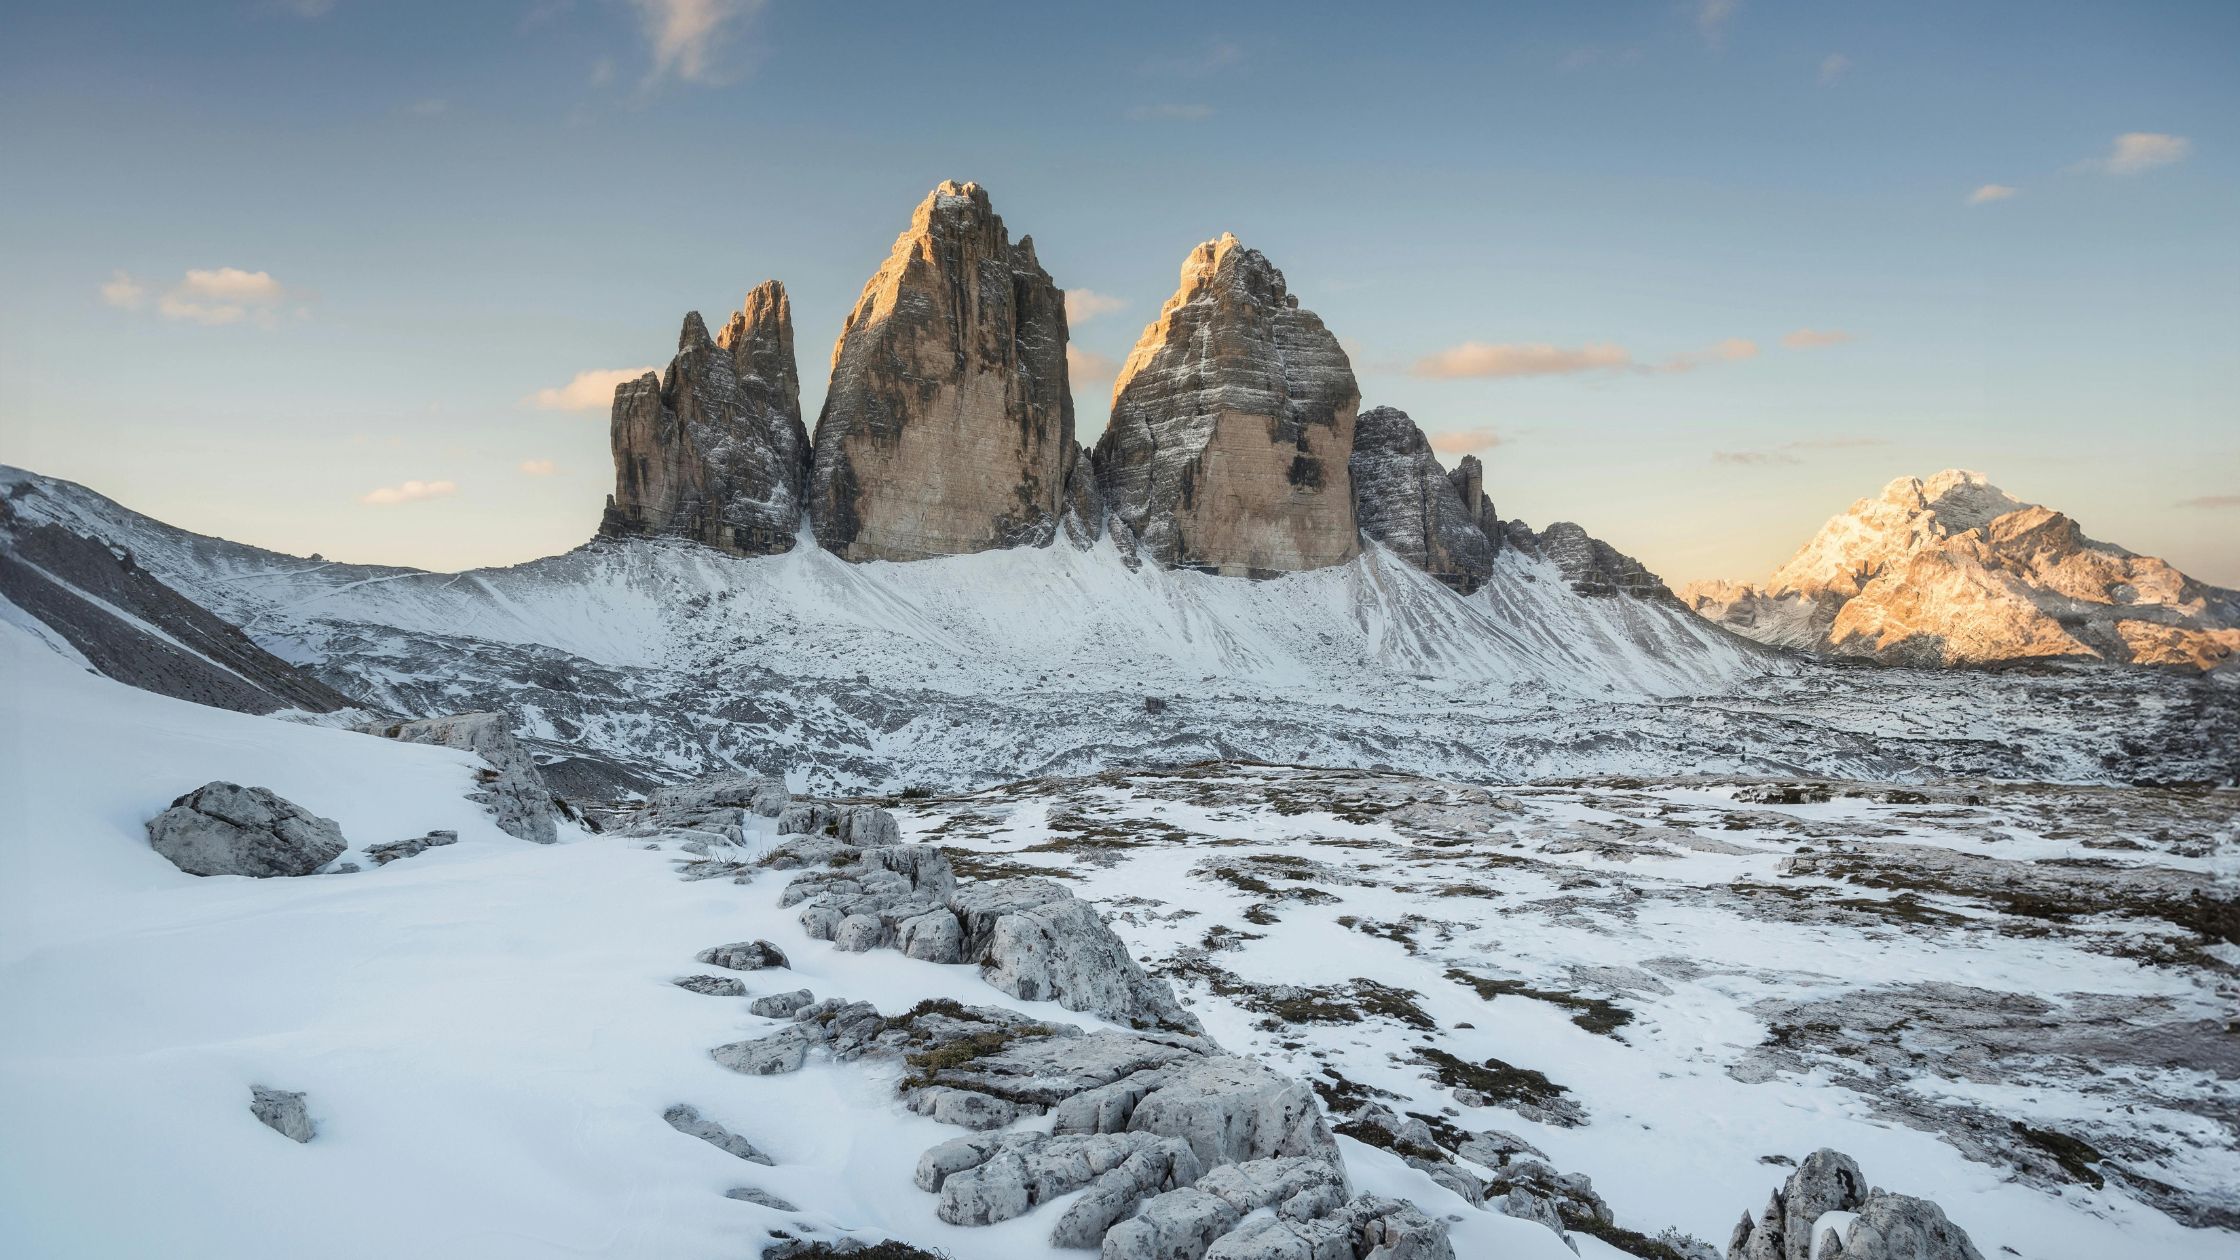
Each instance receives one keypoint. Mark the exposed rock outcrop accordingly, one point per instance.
(512, 788)
(1406, 501)
(715, 451)
(1954, 571)
(1592, 566)
(383, 854)
(686, 1119)
(227, 829)
(283, 1112)
(948, 425)
(1232, 424)
(1826, 1209)
(1469, 481)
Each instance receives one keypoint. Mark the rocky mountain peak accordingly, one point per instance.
(1952, 570)
(715, 450)
(1405, 500)
(948, 425)
(1232, 425)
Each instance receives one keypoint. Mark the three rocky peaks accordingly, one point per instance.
(1236, 444)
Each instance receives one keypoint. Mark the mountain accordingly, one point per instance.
(1954, 571)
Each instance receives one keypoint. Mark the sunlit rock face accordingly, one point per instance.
(715, 450)
(948, 426)
(1232, 424)
(1954, 571)
(1406, 501)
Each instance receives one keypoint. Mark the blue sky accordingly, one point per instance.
(1693, 274)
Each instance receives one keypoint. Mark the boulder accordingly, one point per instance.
(513, 788)
(1231, 1109)
(282, 1111)
(1406, 501)
(716, 452)
(688, 1121)
(781, 1005)
(1062, 951)
(383, 854)
(1176, 1225)
(750, 1194)
(712, 986)
(744, 956)
(227, 829)
(780, 1052)
(1828, 1193)
(1901, 1227)
(948, 424)
(1232, 424)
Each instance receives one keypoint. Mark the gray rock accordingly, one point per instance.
(756, 794)
(716, 452)
(744, 956)
(963, 1108)
(780, 1005)
(1020, 1170)
(1494, 1148)
(780, 1052)
(383, 854)
(859, 933)
(282, 1111)
(1062, 951)
(934, 936)
(1900, 1227)
(1117, 1192)
(227, 829)
(688, 1120)
(1177, 1225)
(712, 986)
(1592, 566)
(513, 789)
(749, 1194)
(858, 826)
(1406, 501)
(1230, 1109)
(1296, 1187)
(1827, 1181)
(1367, 1227)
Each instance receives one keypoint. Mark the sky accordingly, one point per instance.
(355, 278)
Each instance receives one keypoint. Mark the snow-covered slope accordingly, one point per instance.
(643, 659)
(1954, 571)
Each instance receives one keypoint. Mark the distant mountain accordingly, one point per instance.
(1954, 571)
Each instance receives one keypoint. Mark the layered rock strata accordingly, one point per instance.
(715, 450)
(1405, 500)
(1232, 424)
(948, 424)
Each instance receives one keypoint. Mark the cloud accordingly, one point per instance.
(2211, 501)
(1789, 453)
(2137, 151)
(123, 292)
(1989, 193)
(686, 35)
(1815, 338)
(538, 467)
(1732, 350)
(1088, 365)
(1474, 359)
(1712, 17)
(588, 391)
(1171, 112)
(1216, 56)
(1464, 441)
(1083, 305)
(1833, 67)
(407, 492)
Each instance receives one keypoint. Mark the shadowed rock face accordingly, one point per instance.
(1469, 481)
(1592, 566)
(1406, 501)
(1232, 422)
(948, 427)
(716, 451)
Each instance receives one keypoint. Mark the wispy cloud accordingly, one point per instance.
(1988, 193)
(2138, 151)
(1815, 338)
(1732, 350)
(2211, 501)
(1087, 365)
(1171, 111)
(1789, 453)
(538, 468)
(687, 35)
(1083, 305)
(1713, 17)
(124, 292)
(407, 492)
(1508, 360)
(1833, 67)
(1465, 441)
(1217, 55)
(587, 391)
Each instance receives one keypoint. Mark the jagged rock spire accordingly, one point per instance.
(1406, 501)
(948, 426)
(716, 451)
(1232, 422)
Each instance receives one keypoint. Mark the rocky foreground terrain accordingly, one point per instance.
(1954, 571)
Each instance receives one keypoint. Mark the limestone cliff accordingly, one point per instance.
(1592, 566)
(1954, 571)
(715, 451)
(948, 426)
(1406, 501)
(1232, 424)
